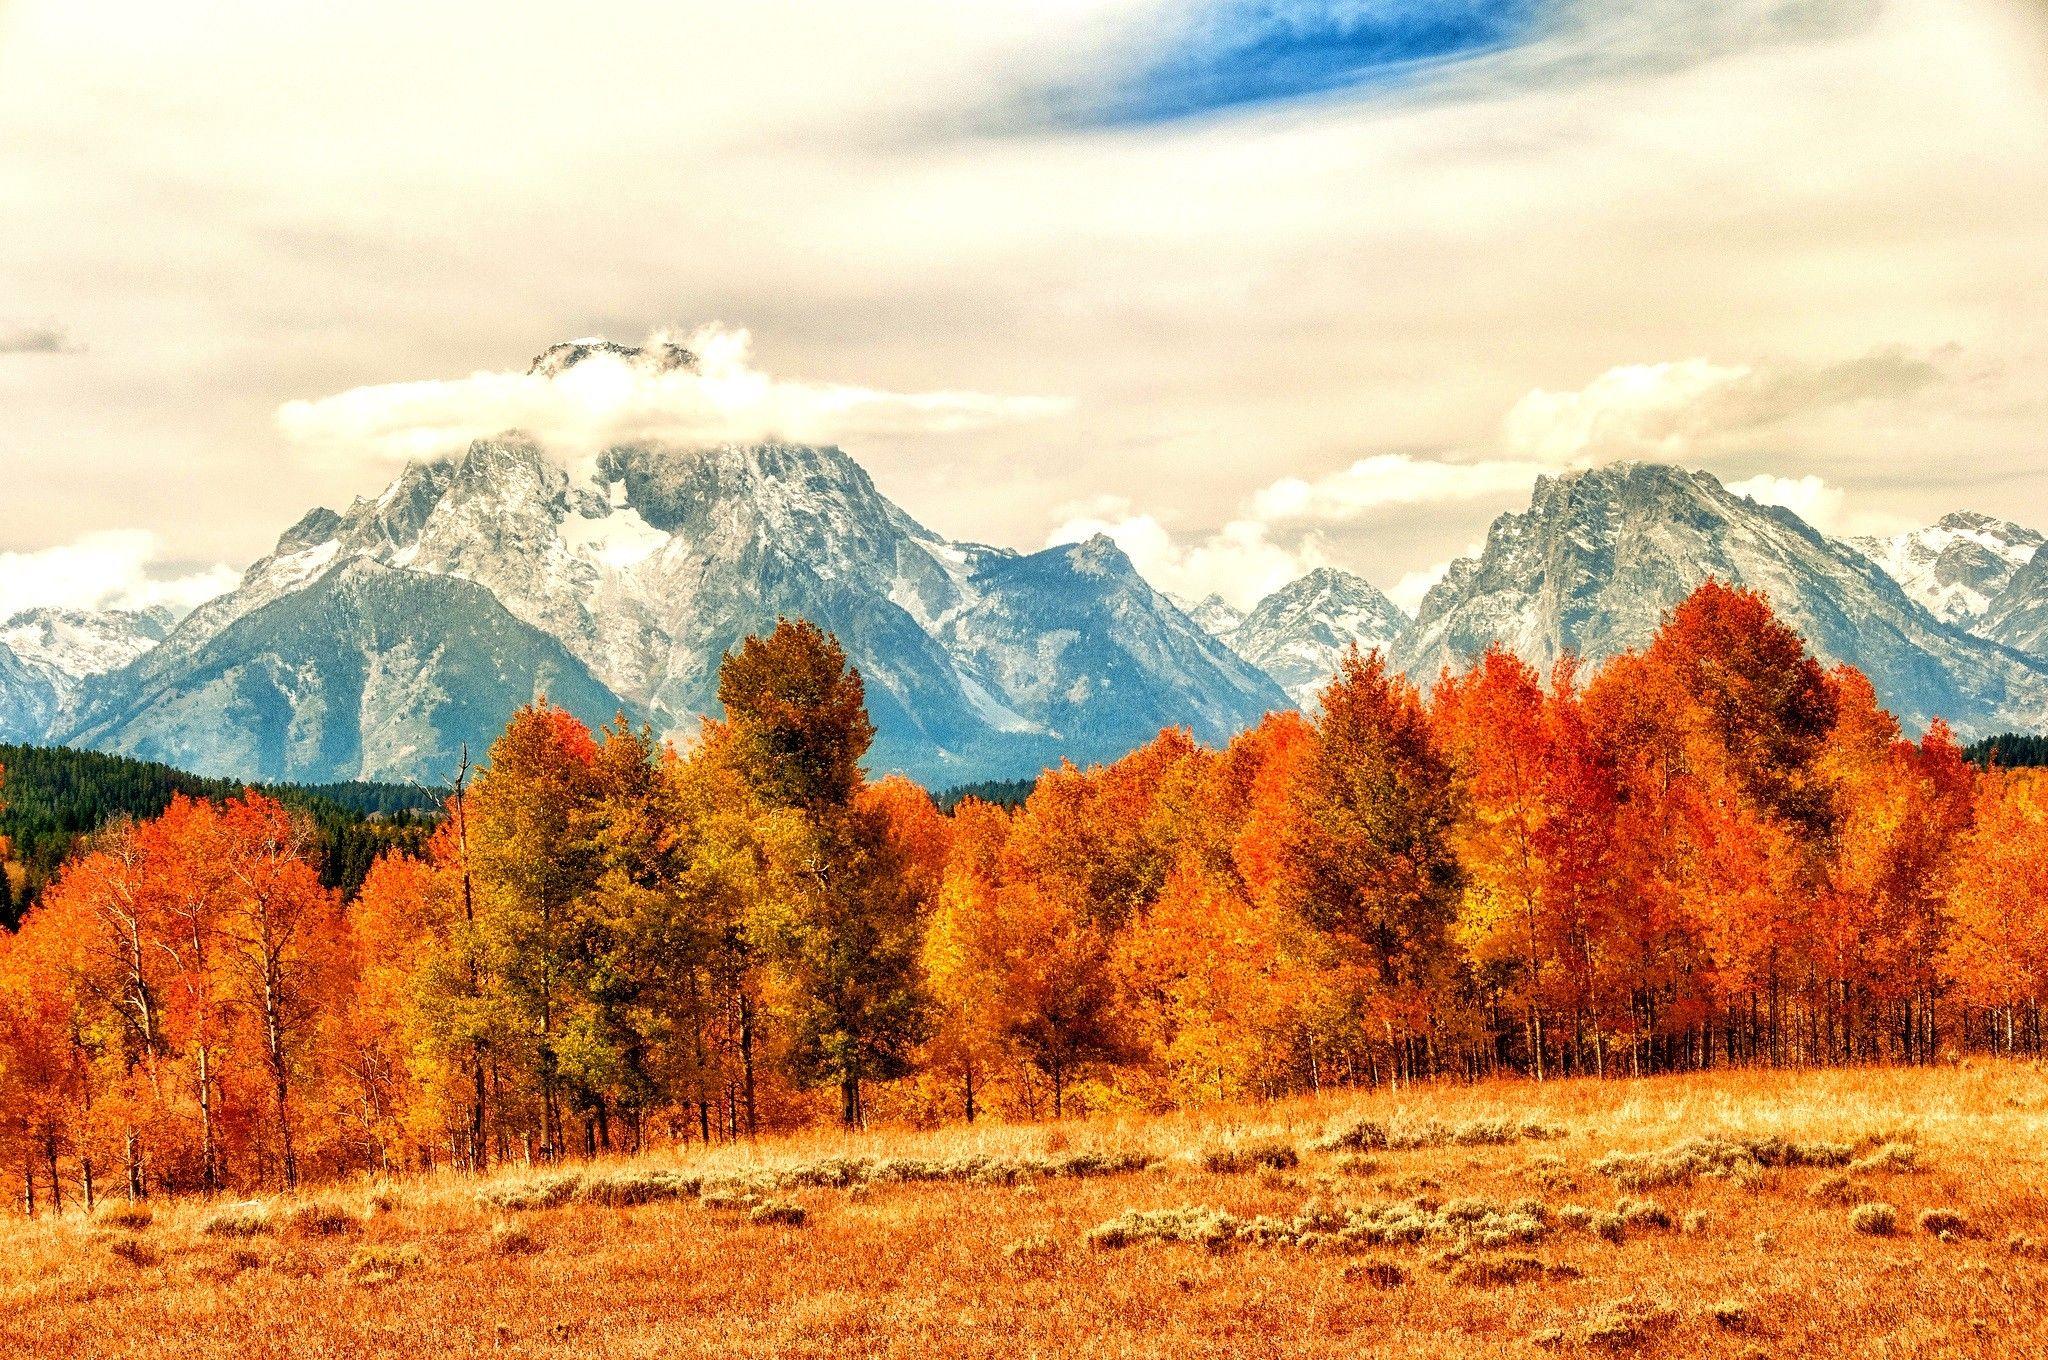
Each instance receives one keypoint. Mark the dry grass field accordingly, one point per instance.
(1686, 1216)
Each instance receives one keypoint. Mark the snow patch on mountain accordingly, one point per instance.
(1956, 566)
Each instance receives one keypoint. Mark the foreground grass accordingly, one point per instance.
(1886, 1212)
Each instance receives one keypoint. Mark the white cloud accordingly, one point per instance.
(110, 570)
(609, 397)
(1672, 411)
(1386, 480)
(1820, 503)
(1239, 562)
(1407, 592)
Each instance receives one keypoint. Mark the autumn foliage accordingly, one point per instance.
(1712, 852)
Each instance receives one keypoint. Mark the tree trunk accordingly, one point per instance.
(747, 1064)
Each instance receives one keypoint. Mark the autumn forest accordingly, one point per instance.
(1713, 852)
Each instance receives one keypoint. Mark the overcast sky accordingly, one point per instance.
(1254, 286)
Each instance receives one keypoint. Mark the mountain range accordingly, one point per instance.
(377, 641)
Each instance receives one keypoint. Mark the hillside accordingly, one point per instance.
(51, 796)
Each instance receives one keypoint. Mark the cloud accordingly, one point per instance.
(1820, 503)
(1407, 592)
(1239, 562)
(47, 338)
(616, 394)
(115, 569)
(1678, 410)
(1675, 412)
(1389, 480)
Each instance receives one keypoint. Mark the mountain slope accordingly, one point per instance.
(2018, 617)
(1215, 615)
(1590, 567)
(48, 654)
(1955, 566)
(1300, 632)
(28, 700)
(369, 673)
(1075, 642)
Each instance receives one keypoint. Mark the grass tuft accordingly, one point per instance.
(125, 1216)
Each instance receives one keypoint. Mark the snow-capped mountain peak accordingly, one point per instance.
(1956, 566)
(645, 569)
(82, 642)
(1300, 633)
(1592, 565)
(660, 357)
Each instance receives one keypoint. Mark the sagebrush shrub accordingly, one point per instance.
(1875, 1218)
(135, 1251)
(1944, 1223)
(248, 1218)
(531, 1192)
(1627, 1323)
(382, 1263)
(1892, 1158)
(320, 1219)
(1835, 1190)
(777, 1213)
(512, 1239)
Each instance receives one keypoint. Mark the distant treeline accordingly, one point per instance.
(2012, 751)
(1004, 793)
(51, 796)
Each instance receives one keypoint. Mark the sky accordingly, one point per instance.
(1254, 286)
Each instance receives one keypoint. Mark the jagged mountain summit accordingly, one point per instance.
(621, 590)
(1956, 566)
(1598, 557)
(1300, 633)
